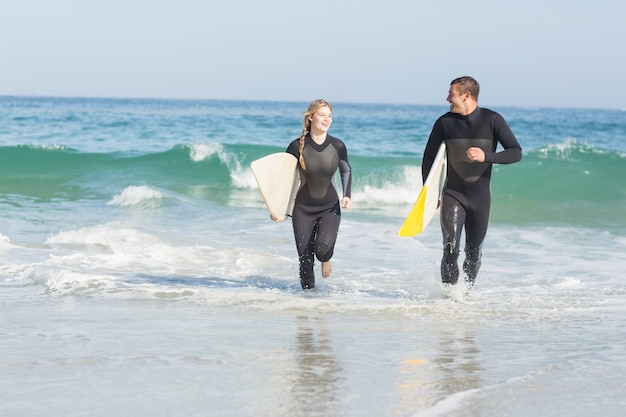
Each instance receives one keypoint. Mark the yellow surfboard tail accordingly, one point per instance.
(429, 197)
(414, 223)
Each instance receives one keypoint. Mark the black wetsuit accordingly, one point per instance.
(467, 195)
(317, 214)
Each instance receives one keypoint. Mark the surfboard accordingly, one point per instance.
(428, 199)
(278, 179)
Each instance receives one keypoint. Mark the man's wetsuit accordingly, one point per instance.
(466, 197)
(317, 214)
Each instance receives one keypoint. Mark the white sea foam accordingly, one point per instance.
(203, 151)
(400, 276)
(403, 191)
(5, 242)
(136, 195)
(242, 177)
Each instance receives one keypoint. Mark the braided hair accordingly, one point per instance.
(313, 107)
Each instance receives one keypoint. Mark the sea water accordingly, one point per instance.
(140, 274)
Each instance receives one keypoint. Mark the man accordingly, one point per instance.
(471, 134)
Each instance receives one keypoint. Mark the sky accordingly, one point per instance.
(548, 53)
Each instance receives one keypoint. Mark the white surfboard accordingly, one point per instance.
(428, 200)
(278, 179)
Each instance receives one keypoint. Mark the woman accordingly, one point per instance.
(317, 214)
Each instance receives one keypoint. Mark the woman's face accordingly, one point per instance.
(321, 120)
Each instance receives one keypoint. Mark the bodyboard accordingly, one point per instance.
(278, 179)
(428, 199)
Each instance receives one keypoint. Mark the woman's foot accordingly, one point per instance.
(307, 277)
(307, 284)
(327, 268)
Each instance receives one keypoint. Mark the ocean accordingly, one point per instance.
(140, 274)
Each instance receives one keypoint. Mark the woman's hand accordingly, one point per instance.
(346, 203)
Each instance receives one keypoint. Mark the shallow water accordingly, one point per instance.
(140, 274)
(375, 339)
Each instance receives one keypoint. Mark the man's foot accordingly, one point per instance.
(327, 268)
(446, 290)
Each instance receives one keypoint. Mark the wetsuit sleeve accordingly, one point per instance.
(294, 148)
(346, 178)
(344, 169)
(512, 150)
(432, 146)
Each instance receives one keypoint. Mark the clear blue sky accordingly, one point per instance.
(564, 53)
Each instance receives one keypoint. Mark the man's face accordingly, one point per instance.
(456, 100)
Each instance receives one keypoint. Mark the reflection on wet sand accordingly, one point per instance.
(315, 391)
(455, 367)
(458, 362)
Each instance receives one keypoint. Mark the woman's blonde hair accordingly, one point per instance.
(313, 108)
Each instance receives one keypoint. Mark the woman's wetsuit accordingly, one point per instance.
(466, 197)
(317, 214)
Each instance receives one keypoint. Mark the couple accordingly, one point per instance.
(471, 135)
